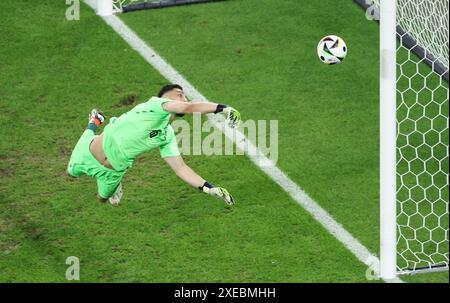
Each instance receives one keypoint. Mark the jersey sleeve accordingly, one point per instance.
(157, 103)
(170, 149)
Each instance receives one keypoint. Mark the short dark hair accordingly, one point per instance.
(168, 88)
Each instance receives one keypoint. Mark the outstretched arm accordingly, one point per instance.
(191, 177)
(184, 172)
(177, 107)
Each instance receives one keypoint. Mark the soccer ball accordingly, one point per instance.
(331, 49)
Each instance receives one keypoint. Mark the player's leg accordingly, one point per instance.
(109, 185)
(96, 118)
(77, 165)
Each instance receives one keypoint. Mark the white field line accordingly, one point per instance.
(255, 155)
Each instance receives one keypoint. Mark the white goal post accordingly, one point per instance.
(109, 7)
(104, 7)
(388, 133)
(414, 142)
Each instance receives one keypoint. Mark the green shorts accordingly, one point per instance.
(82, 162)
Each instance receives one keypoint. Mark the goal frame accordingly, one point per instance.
(388, 144)
(388, 136)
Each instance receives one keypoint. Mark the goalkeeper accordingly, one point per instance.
(109, 155)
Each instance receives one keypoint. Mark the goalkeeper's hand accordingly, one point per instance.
(218, 192)
(232, 116)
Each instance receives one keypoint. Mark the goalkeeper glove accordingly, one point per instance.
(218, 192)
(233, 117)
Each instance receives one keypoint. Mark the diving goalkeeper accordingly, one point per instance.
(109, 155)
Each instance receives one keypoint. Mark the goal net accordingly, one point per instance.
(422, 134)
(422, 139)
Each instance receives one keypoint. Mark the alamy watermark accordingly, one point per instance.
(257, 139)
(73, 11)
(73, 271)
(373, 271)
(373, 11)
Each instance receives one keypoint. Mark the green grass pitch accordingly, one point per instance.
(257, 55)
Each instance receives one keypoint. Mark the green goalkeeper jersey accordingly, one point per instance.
(142, 129)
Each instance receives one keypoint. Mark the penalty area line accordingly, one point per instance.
(255, 155)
